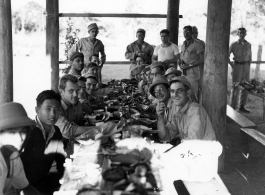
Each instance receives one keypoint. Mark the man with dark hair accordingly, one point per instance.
(192, 56)
(187, 120)
(45, 145)
(95, 59)
(92, 68)
(241, 50)
(76, 63)
(71, 120)
(167, 52)
(139, 48)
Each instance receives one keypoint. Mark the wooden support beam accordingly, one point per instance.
(107, 62)
(52, 40)
(257, 69)
(6, 53)
(214, 88)
(173, 20)
(114, 15)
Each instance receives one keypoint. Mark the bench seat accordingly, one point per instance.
(239, 118)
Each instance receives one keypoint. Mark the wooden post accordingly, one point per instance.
(173, 20)
(52, 40)
(6, 53)
(257, 69)
(215, 67)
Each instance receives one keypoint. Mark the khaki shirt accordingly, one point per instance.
(191, 122)
(70, 118)
(190, 51)
(133, 49)
(241, 51)
(17, 175)
(88, 48)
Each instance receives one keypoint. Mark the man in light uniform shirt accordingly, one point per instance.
(241, 50)
(192, 56)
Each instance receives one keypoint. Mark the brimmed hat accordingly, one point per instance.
(140, 30)
(75, 55)
(147, 68)
(92, 26)
(173, 70)
(89, 75)
(159, 79)
(13, 115)
(182, 79)
(156, 65)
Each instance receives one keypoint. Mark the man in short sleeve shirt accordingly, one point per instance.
(167, 52)
(192, 56)
(241, 50)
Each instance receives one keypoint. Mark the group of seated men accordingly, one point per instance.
(60, 118)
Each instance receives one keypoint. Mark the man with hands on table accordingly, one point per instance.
(189, 119)
(71, 120)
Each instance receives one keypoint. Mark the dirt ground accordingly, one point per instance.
(244, 157)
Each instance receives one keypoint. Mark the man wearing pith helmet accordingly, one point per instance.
(190, 120)
(171, 73)
(89, 46)
(139, 48)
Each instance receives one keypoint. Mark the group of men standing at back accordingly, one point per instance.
(189, 60)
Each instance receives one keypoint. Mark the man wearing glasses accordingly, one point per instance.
(189, 121)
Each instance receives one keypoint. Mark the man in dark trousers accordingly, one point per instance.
(241, 50)
(44, 146)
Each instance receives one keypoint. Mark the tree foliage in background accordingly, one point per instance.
(71, 38)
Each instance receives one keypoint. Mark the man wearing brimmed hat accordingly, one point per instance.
(167, 52)
(139, 48)
(77, 64)
(89, 46)
(241, 50)
(160, 90)
(14, 129)
(191, 57)
(188, 120)
(71, 120)
(172, 72)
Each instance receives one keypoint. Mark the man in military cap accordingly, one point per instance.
(89, 46)
(76, 63)
(139, 48)
(171, 73)
(156, 69)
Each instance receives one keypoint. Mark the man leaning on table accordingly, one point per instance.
(190, 120)
(71, 120)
